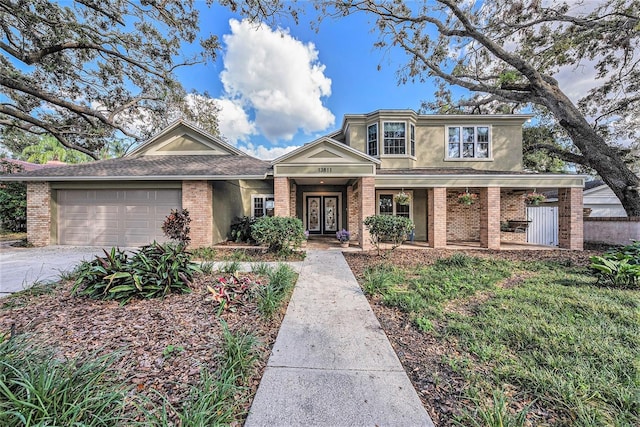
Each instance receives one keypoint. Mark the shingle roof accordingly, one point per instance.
(158, 167)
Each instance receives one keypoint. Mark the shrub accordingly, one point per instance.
(619, 267)
(279, 233)
(241, 229)
(13, 200)
(271, 296)
(154, 271)
(176, 226)
(394, 229)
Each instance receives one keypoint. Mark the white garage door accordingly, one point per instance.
(114, 217)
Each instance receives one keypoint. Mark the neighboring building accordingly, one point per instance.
(599, 200)
(27, 166)
(331, 183)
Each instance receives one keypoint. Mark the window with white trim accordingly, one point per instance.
(394, 138)
(372, 140)
(413, 139)
(388, 206)
(262, 205)
(468, 142)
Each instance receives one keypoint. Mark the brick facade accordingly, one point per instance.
(571, 232)
(367, 207)
(437, 208)
(39, 213)
(282, 196)
(490, 217)
(463, 221)
(197, 198)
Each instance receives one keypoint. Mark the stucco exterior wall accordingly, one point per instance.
(612, 230)
(431, 145)
(233, 199)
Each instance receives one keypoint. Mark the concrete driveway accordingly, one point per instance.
(21, 267)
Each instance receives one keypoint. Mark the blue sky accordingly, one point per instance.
(279, 91)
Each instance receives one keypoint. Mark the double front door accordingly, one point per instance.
(322, 214)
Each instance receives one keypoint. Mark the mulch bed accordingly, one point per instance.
(139, 333)
(440, 388)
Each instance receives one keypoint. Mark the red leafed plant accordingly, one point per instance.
(176, 226)
(230, 291)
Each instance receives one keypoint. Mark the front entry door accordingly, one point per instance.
(322, 214)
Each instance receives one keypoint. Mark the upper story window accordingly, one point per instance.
(413, 140)
(394, 138)
(468, 142)
(372, 140)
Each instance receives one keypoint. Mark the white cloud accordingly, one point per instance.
(276, 76)
(233, 121)
(265, 153)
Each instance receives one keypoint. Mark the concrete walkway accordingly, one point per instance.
(332, 364)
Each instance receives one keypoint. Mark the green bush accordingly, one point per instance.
(154, 271)
(13, 200)
(241, 229)
(271, 296)
(393, 229)
(279, 233)
(619, 267)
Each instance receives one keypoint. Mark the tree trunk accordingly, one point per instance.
(599, 156)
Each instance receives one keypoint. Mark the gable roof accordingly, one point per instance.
(181, 128)
(157, 167)
(331, 146)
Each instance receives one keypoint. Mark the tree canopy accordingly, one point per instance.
(85, 70)
(509, 55)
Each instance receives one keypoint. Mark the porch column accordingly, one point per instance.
(39, 213)
(367, 206)
(490, 217)
(197, 198)
(353, 213)
(571, 232)
(437, 207)
(292, 200)
(282, 196)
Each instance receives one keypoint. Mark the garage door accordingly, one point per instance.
(114, 217)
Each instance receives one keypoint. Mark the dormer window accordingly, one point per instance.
(395, 138)
(468, 142)
(372, 140)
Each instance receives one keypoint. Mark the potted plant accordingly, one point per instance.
(467, 198)
(402, 198)
(534, 198)
(343, 236)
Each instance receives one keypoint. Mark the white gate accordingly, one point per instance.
(543, 225)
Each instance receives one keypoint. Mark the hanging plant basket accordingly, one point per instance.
(467, 198)
(402, 198)
(535, 198)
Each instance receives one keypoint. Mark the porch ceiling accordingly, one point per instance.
(322, 181)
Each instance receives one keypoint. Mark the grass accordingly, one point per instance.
(563, 343)
(38, 389)
(10, 235)
(270, 298)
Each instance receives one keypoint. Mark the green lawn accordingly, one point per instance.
(534, 341)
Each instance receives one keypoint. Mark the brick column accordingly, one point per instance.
(571, 232)
(39, 213)
(437, 224)
(353, 212)
(282, 196)
(292, 200)
(197, 198)
(367, 207)
(490, 217)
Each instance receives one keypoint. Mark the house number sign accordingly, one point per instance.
(324, 170)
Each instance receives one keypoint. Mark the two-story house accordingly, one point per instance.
(332, 183)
